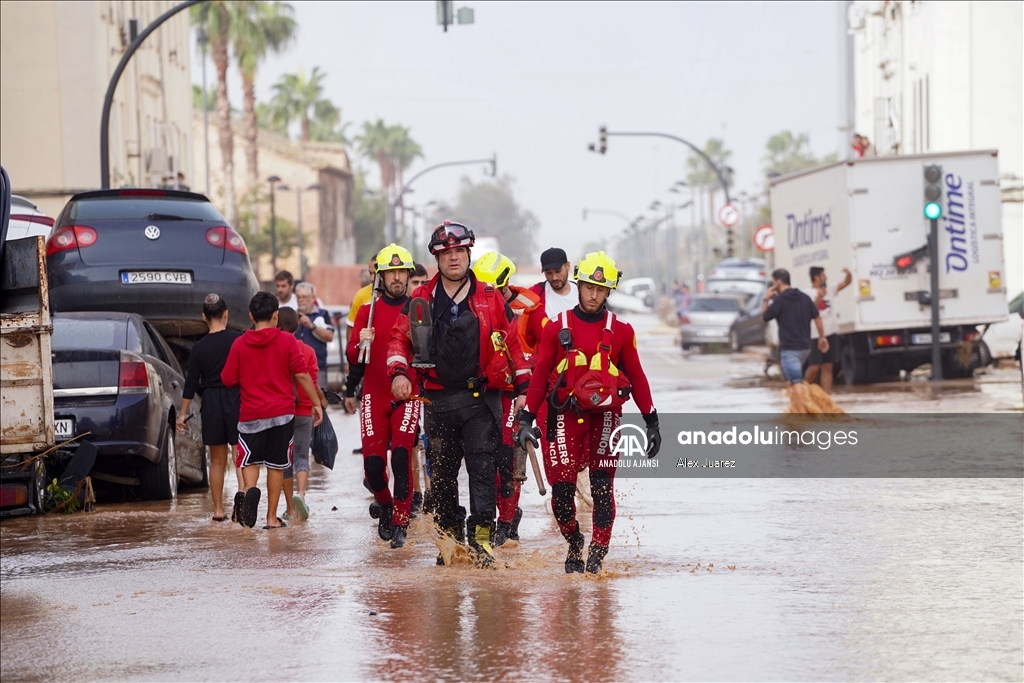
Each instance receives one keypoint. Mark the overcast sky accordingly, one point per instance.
(533, 81)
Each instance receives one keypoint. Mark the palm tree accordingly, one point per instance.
(403, 150)
(296, 97)
(701, 175)
(324, 125)
(220, 19)
(264, 27)
(787, 153)
(375, 144)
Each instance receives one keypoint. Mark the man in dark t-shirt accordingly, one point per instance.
(795, 311)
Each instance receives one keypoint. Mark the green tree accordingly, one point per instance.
(326, 124)
(787, 153)
(703, 176)
(374, 144)
(197, 98)
(296, 98)
(490, 209)
(266, 120)
(368, 219)
(263, 27)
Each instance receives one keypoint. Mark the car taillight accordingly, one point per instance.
(71, 237)
(888, 340)
(133, 378)
(227, 238)
(973, 335)
(32, 218)
(683, 320)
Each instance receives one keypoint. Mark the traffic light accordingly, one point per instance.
(602, 139)
(932, 191)
(904, 262)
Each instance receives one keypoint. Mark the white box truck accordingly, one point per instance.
(862, 215)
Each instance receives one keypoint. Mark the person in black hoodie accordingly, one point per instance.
(795, 311)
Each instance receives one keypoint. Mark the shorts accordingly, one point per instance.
(792, 364)
(300, 446)
(270, 447)
(219, 413)
(830, 356)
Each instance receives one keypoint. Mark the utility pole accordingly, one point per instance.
(273, 180)
(932, 211)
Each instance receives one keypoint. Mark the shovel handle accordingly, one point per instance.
(536, 469)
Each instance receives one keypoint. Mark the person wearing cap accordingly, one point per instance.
(472, 354)
(587, 366)
(385, 424)
(557, 293)
(497, 269)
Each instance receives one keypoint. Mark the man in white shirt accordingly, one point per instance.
(559, 291)
(284, 283)
(823, 293)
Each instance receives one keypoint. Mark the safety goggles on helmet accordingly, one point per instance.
(494, 269)
(450, 235)
(394, 257)
(599, 269)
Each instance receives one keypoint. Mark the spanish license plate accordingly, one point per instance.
(709, 333)
(156, 277)
(64, 428)
(926, 338)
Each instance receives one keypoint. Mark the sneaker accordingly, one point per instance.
(574, 558)
(398, 536)
(301, 509)
(502, 533)
(384, 527)
(595, 557)
(236, 511)
(479, 536)
(513, 534)
(287, 516)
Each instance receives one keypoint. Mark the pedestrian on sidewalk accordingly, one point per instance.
(823, 294)
(315, 328)
(297, 474)
(455, 323)
(273, 364)
(219, 407)
(795, 311)
(386, 425)
(587, 366)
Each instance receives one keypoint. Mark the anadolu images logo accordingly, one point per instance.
(627, 444)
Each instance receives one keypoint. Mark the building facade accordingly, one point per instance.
(941, 77)
(56, 60)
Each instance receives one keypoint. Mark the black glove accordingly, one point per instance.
(653, 434)
(527, 433)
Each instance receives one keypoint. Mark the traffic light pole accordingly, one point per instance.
(933, 253)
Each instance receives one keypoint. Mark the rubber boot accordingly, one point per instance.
(502, 532)
(398, 536)
(513, 534)
(595, 557)
(574, 558)
(384, 527)
(375, 510)
(479, 536)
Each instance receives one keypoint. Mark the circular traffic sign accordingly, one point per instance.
(764, 238)
(729, 215)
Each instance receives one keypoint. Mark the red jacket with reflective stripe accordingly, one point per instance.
(491, 311)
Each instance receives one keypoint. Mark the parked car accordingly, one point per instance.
(642, 288)
(116, 378)
(743, 275)
(27, 220)
(157, 253)
(748, 328)
(1002, 338)
(709, 319)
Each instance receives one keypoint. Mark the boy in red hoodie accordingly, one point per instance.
(263, 363)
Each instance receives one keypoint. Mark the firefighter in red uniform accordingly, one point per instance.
(457, 338)
(497, 270)
(586, 367)
(385, 423)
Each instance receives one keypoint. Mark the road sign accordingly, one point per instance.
(764, 238)
(729, 215)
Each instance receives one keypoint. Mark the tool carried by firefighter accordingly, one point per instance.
(364, 345)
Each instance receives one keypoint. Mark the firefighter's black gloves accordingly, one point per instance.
(653, 434)
(527, 433)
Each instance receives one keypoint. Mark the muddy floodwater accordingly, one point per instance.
(707, 579)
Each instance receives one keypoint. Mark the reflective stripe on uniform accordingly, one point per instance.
(397, 359)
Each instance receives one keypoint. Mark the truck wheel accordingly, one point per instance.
(159, 481)
(734, 342)
(854, 366)
(38, 486)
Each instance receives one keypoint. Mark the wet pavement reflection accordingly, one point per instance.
(740, 579)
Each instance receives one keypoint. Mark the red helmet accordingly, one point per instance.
(450, 235)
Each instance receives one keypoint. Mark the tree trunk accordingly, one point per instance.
(249, 126)
(304, 127)
(219, 51)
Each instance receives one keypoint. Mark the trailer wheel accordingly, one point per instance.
(854, 365)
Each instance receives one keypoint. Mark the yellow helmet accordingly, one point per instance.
(394, 257)
(494, 269)
(598, 268)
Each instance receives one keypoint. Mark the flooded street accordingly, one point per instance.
(707, 579)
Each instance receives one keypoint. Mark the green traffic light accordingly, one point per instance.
(932, 210)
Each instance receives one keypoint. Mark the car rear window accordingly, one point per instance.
(70, 334)
(139, 208)
(715, 305)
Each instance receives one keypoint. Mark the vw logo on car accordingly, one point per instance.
(152, 232)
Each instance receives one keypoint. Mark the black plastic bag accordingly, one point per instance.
(325, 444)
